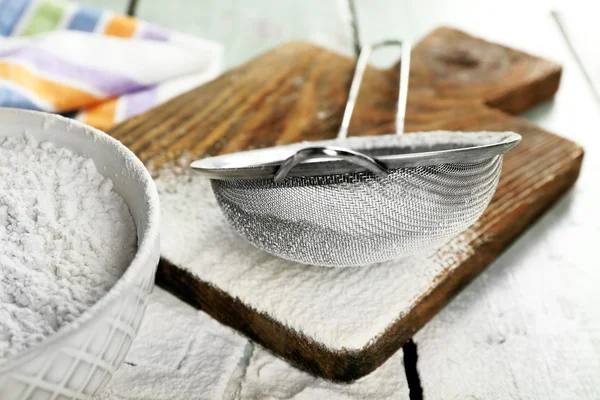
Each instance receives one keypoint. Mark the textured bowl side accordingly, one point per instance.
(80, 366)
(80, 359)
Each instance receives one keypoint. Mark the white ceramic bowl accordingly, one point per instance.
(80, 359)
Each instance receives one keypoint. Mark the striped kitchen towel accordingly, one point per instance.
(59, 56)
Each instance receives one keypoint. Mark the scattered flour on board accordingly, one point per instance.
(342, 308)
(66, 236)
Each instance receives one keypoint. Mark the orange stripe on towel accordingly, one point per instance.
(102, 116)
(122, 26)
(61, 96)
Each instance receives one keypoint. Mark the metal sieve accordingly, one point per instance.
(360, 200)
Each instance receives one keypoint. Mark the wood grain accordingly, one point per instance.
(297, 91)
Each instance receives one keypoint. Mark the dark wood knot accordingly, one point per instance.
(460, 58)
(468, 61)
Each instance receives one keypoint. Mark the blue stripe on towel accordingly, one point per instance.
(85, 19)
(10, 13)
(10, 98)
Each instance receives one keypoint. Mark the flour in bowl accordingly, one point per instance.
(66, 236)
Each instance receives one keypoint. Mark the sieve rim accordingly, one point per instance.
(241, 165)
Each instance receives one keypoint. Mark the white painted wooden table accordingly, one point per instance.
(528, 327)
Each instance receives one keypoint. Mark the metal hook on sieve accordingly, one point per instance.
(337, 153)
(363, 53)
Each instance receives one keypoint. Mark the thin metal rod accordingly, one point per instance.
(403, 87)
(359, 71)
(131, 7)
(353, 22)
(557, 19)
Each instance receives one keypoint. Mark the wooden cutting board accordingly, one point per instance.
(297, 92)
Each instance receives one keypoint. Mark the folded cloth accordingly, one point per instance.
(58, 56)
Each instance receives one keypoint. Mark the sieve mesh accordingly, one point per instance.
(358, 218)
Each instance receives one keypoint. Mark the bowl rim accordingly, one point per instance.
(150, 237)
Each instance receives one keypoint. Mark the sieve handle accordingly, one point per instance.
(330, 152)
(361, 66)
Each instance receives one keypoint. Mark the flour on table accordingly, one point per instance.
(194, 357)
(180, 353)
(66, 237)
(342, 308)
(268, 377)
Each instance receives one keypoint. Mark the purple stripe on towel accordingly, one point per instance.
(154, 32)
(108, 82)
(138, 102)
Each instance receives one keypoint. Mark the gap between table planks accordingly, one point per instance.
(297, 92)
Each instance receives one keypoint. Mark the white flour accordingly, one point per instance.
(66, 237)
